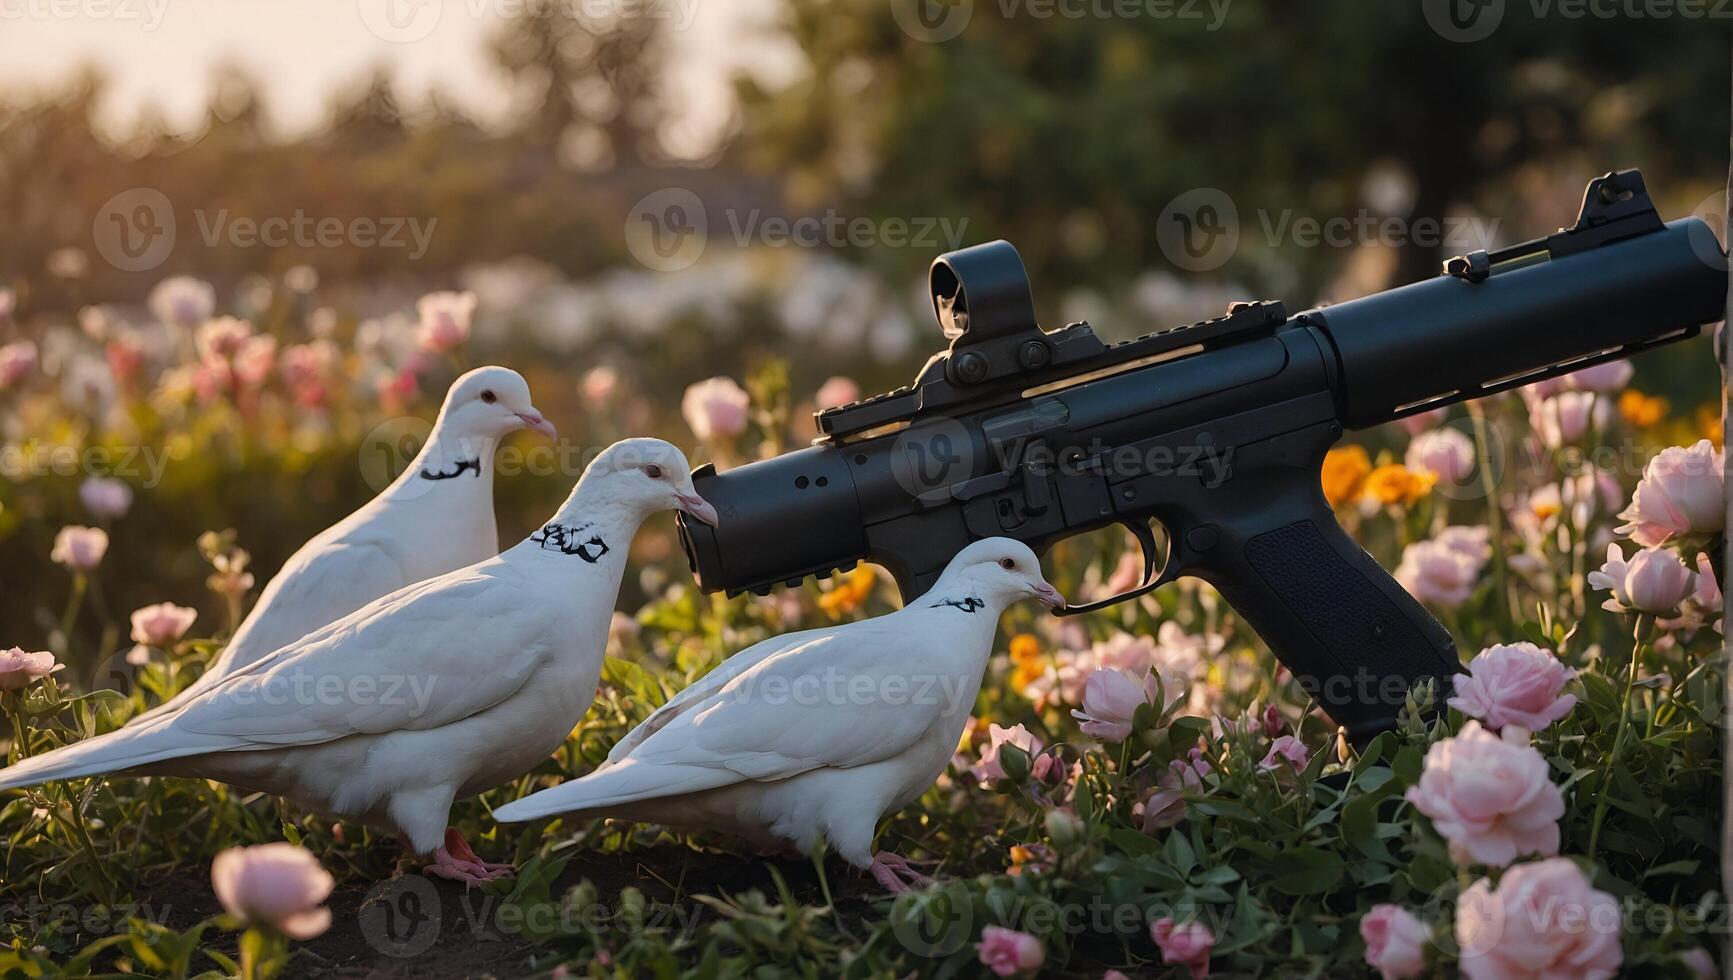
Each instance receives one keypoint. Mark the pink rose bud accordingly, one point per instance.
(1543, 920)
(837, 391)
(1162, 809)
(20, 669)
(1653, 580)
(1445, 453)
(1272, 723)
(1395, 942)
(106, 498)
(279, 885)
(80, 548)
(1008, 952)
(1514, 684)
(1437, 574)
(1681, 492)
(1186, 944)
(162, 624)
(1110, 700)
(716, 408)
(1565, 418)
(1609, 377)
(988, 769)
(445, 320)
(1492, 798)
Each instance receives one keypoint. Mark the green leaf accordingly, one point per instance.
(1306, 871)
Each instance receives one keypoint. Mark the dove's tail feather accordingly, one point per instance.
(127, 748)
(622, 783)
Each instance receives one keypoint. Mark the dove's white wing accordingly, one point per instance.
(695, 693)
(317, 586)
(416, 659)
(793, 712)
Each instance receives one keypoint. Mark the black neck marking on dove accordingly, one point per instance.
(967, 604)
(472, 465)
(563, 538)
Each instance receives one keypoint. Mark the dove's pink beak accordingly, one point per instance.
(1050, 596)
(698, 507)
(533, 421)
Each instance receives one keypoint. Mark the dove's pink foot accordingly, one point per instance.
(890, 869)
(457, 861)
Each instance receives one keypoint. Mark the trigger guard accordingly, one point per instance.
(1152, 579)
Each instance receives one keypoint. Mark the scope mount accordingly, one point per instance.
(982, 300)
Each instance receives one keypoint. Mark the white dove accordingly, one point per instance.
(436, 516)
(815, 736)
(440, 690)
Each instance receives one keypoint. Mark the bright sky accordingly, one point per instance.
(161, 51)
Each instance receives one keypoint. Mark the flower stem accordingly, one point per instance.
(1494, 517)
(1644, 625)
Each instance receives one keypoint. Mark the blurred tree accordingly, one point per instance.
(593, 82)
(1069, 134)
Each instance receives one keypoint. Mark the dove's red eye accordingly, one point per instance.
(489, 397)
(653, 471)
(1007, 564)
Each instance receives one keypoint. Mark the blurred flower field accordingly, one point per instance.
(1142, 790)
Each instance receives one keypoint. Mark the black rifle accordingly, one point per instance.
(1216, 430)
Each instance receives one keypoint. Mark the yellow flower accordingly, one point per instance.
(1026, 654)
(849, 594)
(1024, 648)
(1641, 410)
(1345, 469)
(1394, 483)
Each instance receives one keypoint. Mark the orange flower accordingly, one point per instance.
(849, 594)
(1345, 469)
(1394, 483)
(1031, 665)
(1641, 410)
(1709, 423)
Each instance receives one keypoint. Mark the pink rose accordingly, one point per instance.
(716, 408)
(1681, 492)
(19, 669)
(599, 385)
(1490, 797)
(1544, 920)
(1187, 944)
(162, 624)
(278, 884)
(1472, 541)
(1445, 453)
(1514, 684)
(445, 319)
(1609, 377)
(1395, 941)
(221, 338)
(254, 359)
(1110, 700)
(1008, 952)
(988, 770)
(1437, 574)
(80, 548)
(17, 360)
(1653, 580)
(1565, 418)
(1421, 421)
(1286, 749)
(105, 497)
(837, 391)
